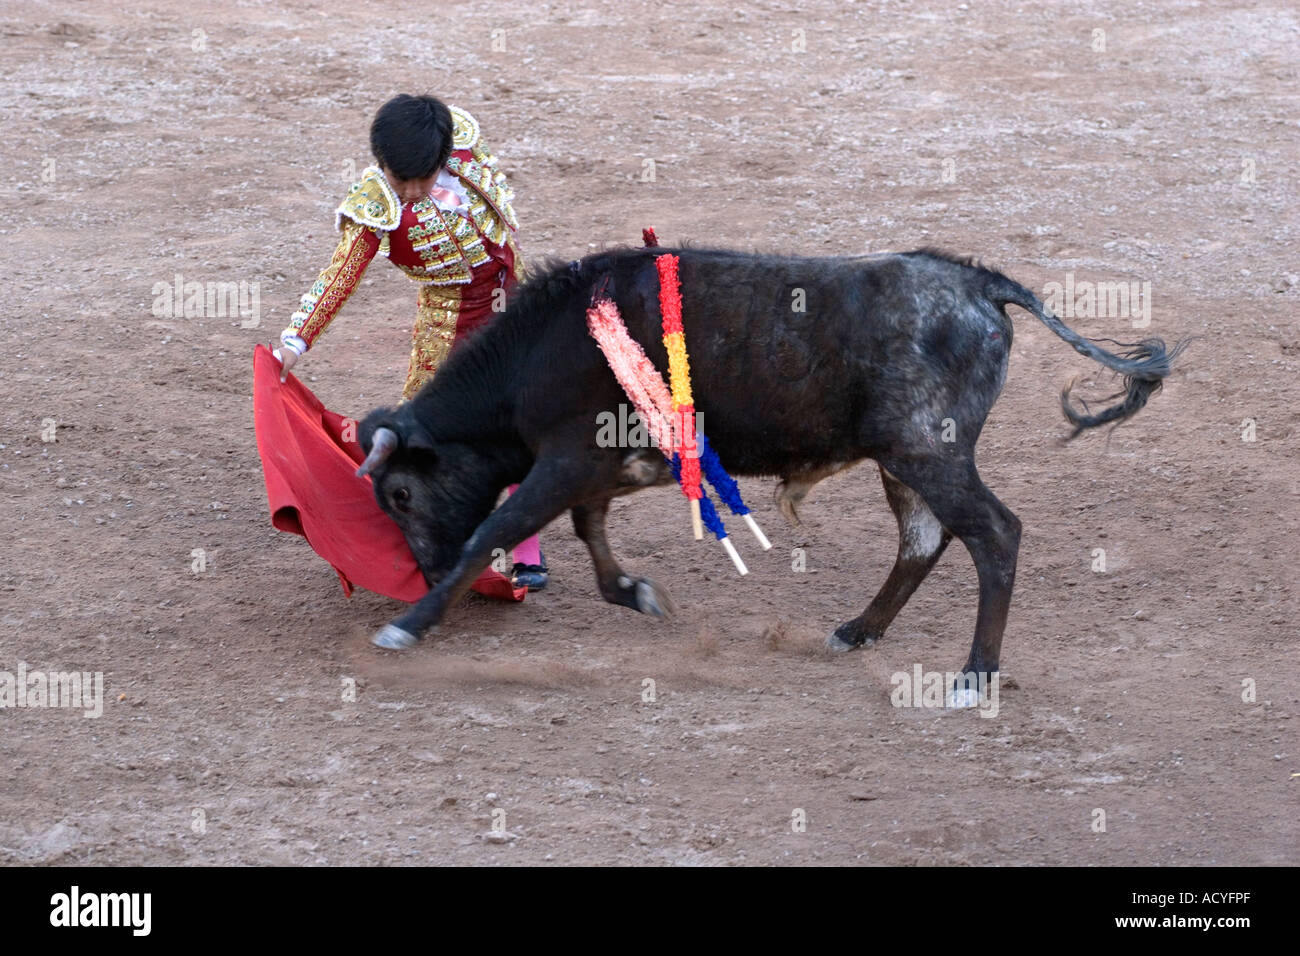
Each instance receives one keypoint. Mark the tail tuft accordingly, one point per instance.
(1150, 363)
(1144, 364)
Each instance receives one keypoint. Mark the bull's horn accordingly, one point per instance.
(383, 444)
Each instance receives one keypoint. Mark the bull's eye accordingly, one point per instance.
(401, 496)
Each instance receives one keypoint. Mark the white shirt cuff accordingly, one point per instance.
(294, 342)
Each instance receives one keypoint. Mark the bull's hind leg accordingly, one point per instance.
(959, 499)
(921, 542)
(640, 594)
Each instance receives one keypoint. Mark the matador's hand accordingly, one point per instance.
(287, 357)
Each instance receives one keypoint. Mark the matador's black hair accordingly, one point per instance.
(411, 135)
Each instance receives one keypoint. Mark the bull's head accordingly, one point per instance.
(437, 492)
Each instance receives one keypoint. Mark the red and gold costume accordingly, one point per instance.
(458, 243)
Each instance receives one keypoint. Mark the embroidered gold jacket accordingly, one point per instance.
(431, 243)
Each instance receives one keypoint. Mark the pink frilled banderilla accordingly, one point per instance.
(669, 411)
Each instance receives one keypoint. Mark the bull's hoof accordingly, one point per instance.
(974, 688)
(654, 600)
(845, 638)
(839, 645)
(959, 697)
(393, 638)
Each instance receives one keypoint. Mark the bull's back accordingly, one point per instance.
(797, 362)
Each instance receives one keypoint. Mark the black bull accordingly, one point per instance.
(800, 368)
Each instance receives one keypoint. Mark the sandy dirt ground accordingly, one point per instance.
(1130, 141)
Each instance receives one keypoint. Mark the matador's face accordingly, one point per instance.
(410, 190)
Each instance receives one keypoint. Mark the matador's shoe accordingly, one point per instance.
(534, 577)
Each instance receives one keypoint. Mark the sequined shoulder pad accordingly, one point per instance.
(371, 202)
(464, 129)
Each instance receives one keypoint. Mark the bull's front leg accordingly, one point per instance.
(551, 487)
(640, 594)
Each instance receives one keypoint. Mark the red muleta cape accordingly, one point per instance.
(313, 490)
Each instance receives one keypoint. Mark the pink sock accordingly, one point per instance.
(529, 551)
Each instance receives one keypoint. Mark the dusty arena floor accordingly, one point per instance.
(1149, 712)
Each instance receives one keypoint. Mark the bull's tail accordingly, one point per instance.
(1144, 365)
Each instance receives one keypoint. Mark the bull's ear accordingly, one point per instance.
(417, 438)
(413, 433)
